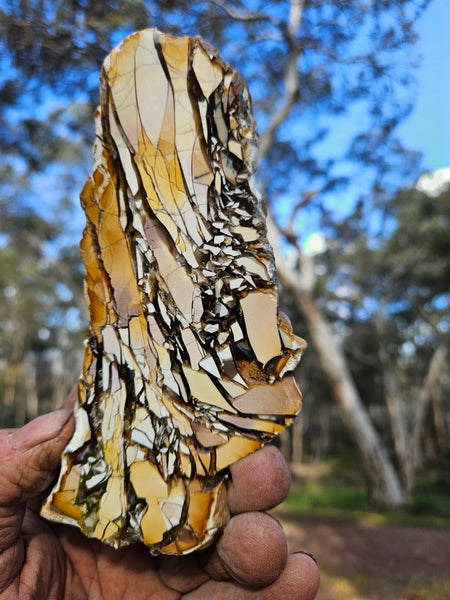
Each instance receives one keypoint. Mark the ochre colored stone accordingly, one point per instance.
(187, 359)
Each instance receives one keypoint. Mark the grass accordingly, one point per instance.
(439, 590)
(358, 585)
(432, 492)
(334, 490)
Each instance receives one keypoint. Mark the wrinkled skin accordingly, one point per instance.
(41, 560)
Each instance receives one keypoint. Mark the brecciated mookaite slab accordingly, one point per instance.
(187, 360)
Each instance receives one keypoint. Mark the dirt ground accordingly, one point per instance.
(361, 560)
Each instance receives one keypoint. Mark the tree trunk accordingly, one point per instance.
(383, 483)
(32, 400)
(392, 397)
(438, 420)
(297, 440)
(14, 364)
(284, 442)
(431, 378)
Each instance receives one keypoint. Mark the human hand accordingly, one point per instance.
(42, 560)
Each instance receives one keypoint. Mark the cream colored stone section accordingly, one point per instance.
(208, 74)
(261, 322)
(152, 87)
(203, 388)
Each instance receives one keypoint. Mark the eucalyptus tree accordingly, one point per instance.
(330, 81)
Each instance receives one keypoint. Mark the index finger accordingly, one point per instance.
(260, 481)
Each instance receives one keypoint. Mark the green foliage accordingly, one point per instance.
(317, 497)
(431, 494)
(334, 489)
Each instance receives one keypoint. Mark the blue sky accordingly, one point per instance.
(428, 128)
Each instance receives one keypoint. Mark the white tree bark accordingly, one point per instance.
(396, 413)
(384, 485)
(434, 369)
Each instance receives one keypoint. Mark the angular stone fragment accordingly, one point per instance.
(186, 358)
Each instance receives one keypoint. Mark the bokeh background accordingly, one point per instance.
(352, 101)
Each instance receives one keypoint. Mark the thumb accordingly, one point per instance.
(29, 456)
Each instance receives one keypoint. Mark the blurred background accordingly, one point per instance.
(352, 103)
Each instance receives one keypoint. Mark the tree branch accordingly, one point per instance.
(292, 280)
(243, 15)
(306, 198)
(291, 81)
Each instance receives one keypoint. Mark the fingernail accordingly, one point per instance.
(41, 429)
(308, 554)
